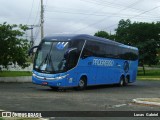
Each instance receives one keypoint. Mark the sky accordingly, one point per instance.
(77, 16)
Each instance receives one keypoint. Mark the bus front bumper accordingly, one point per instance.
(54, 82)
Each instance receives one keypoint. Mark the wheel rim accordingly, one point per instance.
(126, 80)
(81, 83)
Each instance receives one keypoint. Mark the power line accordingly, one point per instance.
(93, 14)
(113, 5)
(46, 3)
(90, 8)
(30, 12)
(61, 19)
(99, 21)
(146, 11)
(37, 13)
(37, 31)
(116, 14)
(135, 16)
(109, 4)
(86, 13)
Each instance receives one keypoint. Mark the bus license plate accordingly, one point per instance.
(44, 83)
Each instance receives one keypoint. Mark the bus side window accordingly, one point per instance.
(87, 52)
(72, 59)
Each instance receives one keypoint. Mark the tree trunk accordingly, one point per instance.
(144, 72)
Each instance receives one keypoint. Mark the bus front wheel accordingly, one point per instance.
(82, 84)
(54, 88)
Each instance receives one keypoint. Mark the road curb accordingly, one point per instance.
(16, 79)
(147, 101)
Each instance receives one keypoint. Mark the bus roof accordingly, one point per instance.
(69, 37)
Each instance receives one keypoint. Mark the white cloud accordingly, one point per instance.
(78, 16)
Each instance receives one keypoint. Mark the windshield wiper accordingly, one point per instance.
(49, 64)
(48, 61)
(43, 61)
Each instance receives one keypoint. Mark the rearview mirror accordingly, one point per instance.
(31, 50)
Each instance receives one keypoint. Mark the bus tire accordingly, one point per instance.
(82, 84)
(121, 82)
(126, 80)
(54, 88)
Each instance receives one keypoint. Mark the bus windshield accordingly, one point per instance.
(50, 57)
(57, 56)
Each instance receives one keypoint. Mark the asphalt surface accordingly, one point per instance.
(30, 97)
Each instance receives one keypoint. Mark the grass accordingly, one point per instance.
(151, 74)
(15, 73)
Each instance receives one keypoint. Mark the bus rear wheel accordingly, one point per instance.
(82, 84)
(126, 81)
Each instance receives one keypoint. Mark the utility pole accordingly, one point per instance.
(42, 20)
(32, 41)
(31, 28)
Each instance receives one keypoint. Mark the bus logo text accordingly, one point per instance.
(102, 62)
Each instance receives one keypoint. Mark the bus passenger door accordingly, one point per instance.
(86, 68)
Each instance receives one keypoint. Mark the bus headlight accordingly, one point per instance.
(39, 77)
(61, 77)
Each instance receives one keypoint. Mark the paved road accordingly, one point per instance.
(30, 97)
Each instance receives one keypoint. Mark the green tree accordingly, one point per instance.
(122, 32)
(13, 48)
(143, 35)
(102, 34)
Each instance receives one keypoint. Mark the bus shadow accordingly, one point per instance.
(101, 87)
(93, 88)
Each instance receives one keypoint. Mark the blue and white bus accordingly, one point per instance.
(79, 61)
